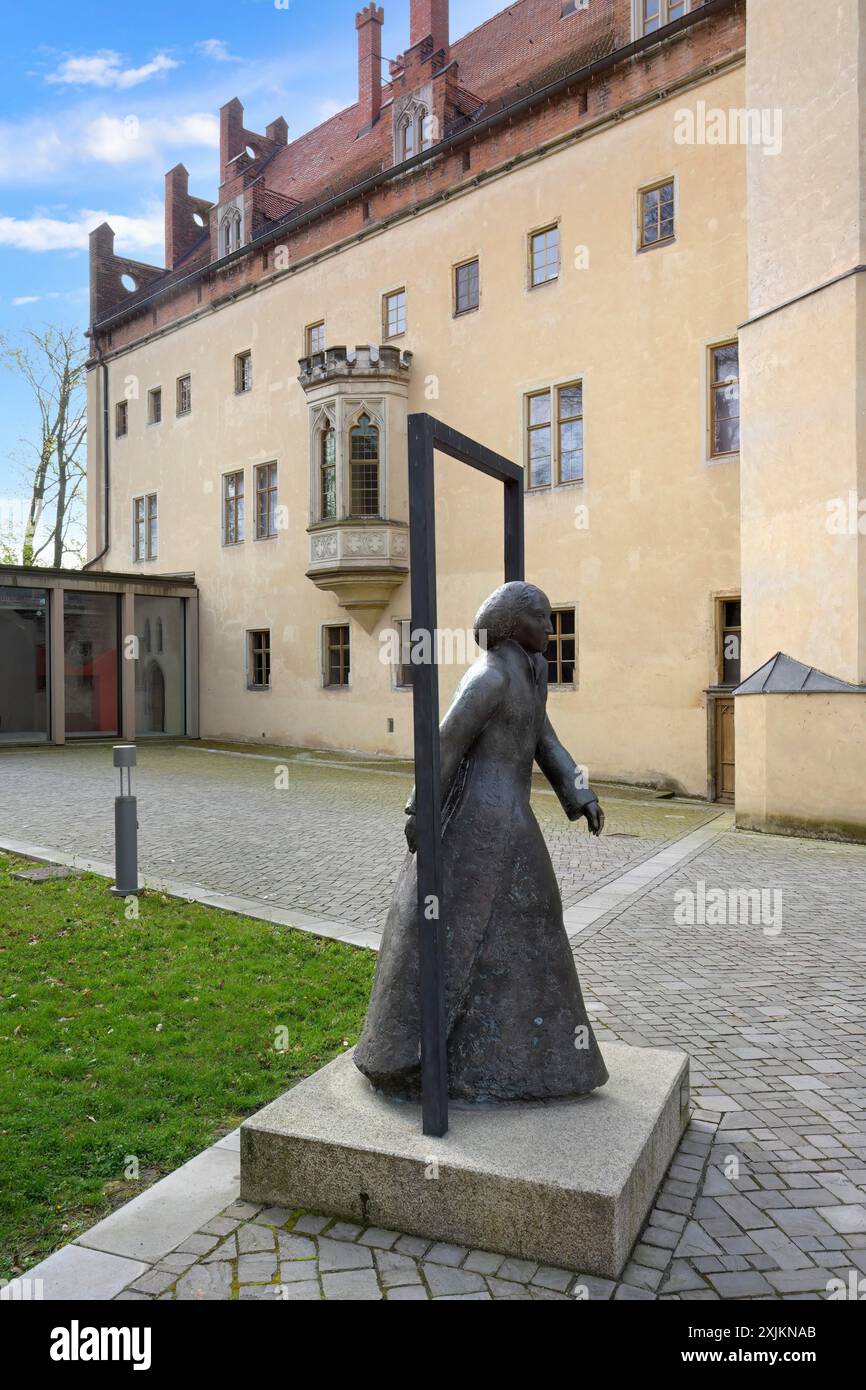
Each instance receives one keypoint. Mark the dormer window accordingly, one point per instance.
(413, 132)
(230, 232)
(364, 467)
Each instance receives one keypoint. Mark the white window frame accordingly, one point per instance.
(240, 540)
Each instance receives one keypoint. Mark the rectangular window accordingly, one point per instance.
(724, 400)
(184, 395)
(24, 642)
(233, 508)
(657, 214)
(570, 433)
(466, 287)
(394, 314)
(259, 660)
(403, 667)
(554, 435)
(266, 501)
(145, 527)
(730, 632)
(562, 650)
(544, 256)
(653, 14)
(315, 336)
(154, 406)
(243, 373)
(539, 441)
(121, 419)
(336, 656)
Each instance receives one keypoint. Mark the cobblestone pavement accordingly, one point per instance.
(329, 843)
(766, 1196)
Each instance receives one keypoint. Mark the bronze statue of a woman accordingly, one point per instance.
(516, 1022)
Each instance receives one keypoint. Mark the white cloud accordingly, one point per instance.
(27, 299)
(121, 139)
(217, 50)
(105, 69)
(38, 233)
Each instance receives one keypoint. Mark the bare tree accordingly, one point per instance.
(51, 363)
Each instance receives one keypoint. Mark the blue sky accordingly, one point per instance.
(99, 99)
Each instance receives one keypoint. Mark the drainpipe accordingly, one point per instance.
(106, 463)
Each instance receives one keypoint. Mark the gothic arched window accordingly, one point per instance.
(328, 474)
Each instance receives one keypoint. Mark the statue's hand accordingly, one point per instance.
(411, 833)
(594, 818)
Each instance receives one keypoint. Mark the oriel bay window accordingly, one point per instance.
(364, 468)
(562, 649)
(233, 508)
(266, 501)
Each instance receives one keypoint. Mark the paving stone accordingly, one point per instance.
(641, 1277)
(445, 1279)
(252, 1239)
(296, 1271)
(177, 1263)
(335, 1255)
(155, 1281)
(588, 1287)
(226, 1250)
(744, 1284)
(629, 1293)
(344, 1230)
(799, 1280)
(408, 1293)
(412, 1245)
(205, 1283)
(307, 1291)
(483, 1261)
(355, 1285)
(508, 1288)
(198, 1244)
(219, 1226)
(549, 1277)
(292, 1247)
(694, 1242)
(519, 1271)
(444, 1254)
(273, 1216)
(395, 1269)
(378, 1239)
(241, 1211)
(846, 1218)
(681, 1276)
(310, 1225)
(256, 1269)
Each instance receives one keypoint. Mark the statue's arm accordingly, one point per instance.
(563, 774)
(474, 704)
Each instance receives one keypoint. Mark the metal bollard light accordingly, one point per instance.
(125, 827)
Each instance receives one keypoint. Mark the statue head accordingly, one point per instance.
(516, 611)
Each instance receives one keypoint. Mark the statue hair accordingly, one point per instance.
(498, 615)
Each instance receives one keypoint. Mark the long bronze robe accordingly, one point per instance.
(516, 1021)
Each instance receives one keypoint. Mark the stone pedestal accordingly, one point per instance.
(567, 1183)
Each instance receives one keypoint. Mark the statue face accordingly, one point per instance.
(534, 626)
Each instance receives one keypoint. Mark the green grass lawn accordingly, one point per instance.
(125, 1042)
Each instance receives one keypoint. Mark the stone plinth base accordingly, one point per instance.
(567, 1183)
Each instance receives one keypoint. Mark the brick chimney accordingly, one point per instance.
(369, 25)
(429, 19)
(182, 230)
(231, 134)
